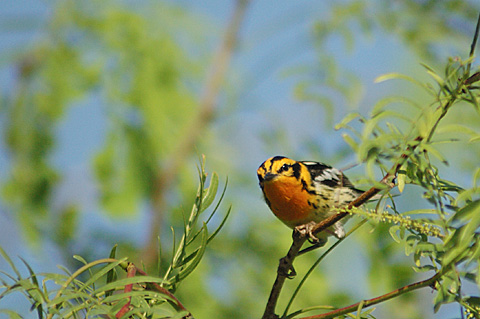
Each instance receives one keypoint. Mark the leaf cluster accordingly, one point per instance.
(443, 239)
(95, 290)
(401, 138)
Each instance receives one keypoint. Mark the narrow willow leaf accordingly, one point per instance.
(456, 128)
(214, 234)
(433, 151)
(191, 267)
(121, 283)
(80, 259)
(391, 114)
(112, 274)
(468, 213)
(100, 273)
(429, 211)
(192, 238)
(219, 201)
(210, 192)
(188, 258)
(476, 177)
(10, 262)
(143, 293)
(424, 268)
(350, 141)
(347, 119)
(35, 294)
(474, 139)
(11, 314)
(398, 76)
(394, 233)
(401, 177)
(437, 78)
(444, 294)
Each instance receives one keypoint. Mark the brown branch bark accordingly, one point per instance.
(430, 282)
(131, 270)
(165, 176)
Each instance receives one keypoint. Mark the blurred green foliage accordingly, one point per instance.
(138, 62)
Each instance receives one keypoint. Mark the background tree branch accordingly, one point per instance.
(165, 176)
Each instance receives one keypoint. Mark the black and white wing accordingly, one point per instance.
(328, 175)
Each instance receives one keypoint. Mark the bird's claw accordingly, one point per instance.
(306, 230)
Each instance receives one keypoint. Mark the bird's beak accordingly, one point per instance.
(269, 177)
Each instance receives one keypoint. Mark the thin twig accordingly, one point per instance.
(284, 268)
(165, 177)
(476, 76)
(474, 44)
(131, 270)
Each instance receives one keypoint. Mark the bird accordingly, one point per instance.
(303, 193)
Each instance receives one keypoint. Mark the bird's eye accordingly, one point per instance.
(284, 168)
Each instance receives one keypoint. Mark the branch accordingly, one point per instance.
(165, 177)
(284, 267)
(370, 302)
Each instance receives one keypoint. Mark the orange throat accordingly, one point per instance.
(288, 201)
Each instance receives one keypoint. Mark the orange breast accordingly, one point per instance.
(289, 202)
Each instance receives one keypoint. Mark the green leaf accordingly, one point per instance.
(35, 294)
(384, 102)
(424, 268)
(398, 76)
(350, 141)
(456, 128)
(94, 277)
(433, 151)
(112, 274)
(121, 283)
(427, 211)
(10, 262)
(469, 213)
(410, 244)
(437, 78)
(80, 259)
(191, 267)
(224, 220)
(210, 192)
(447, 289)
(11, 314)
(401, 177)
(347, 119)
(394, 233)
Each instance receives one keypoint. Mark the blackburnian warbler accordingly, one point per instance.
(302, 192)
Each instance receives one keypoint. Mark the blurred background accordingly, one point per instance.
(106, 107)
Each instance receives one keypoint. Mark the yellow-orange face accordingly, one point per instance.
(286, 185)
